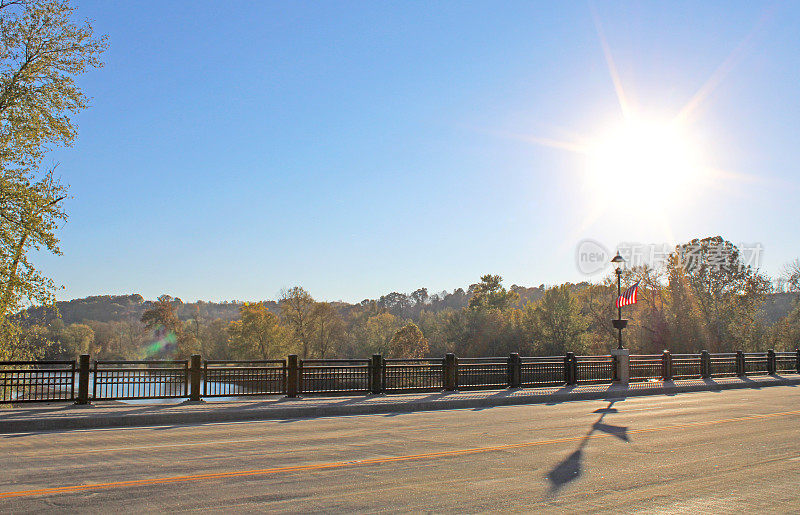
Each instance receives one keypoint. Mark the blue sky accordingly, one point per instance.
(357, 148)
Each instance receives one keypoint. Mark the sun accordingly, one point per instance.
(656, 161)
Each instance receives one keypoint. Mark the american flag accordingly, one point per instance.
(629, 296)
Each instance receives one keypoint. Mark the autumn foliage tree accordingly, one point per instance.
(408, 342)
(42, 51)
(259, 334)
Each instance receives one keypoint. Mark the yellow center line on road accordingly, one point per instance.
(370, 461)
(145, 447)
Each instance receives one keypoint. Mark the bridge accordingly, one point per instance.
(719, 450)
(722, 451)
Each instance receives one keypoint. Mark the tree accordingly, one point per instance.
(172, 338)
(715, 300)
(556, 323)
(327, 330)
(790, 276)
(408, 342)
(490, 294)
(69, 342)
(41, 53)
(297, 307)
(378, 332)
(214, 340)
(258, 335)
(420, 296)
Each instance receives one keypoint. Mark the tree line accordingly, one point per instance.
(717, 305)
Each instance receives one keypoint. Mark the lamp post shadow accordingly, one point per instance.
(570, 468)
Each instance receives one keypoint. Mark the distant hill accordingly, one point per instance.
(778, 305)
(117, 308)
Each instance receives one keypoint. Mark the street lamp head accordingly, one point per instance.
(617, 261)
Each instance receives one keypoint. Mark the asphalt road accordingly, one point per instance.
(716, 452)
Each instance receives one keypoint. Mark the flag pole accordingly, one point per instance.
(619, 307)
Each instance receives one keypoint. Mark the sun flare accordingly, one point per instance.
(653, 160)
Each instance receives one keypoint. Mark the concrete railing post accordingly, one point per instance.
(705, 364)
(450, 372)
(83, 379)
(376, 373)
(797, 360)
(666, 366)
(514, 370)
(195, 363)
(623, 365)
(292, 376)
(771, 362)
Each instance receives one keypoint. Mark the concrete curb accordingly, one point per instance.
(211, 416)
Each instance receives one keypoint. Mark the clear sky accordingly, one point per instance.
(357, 148)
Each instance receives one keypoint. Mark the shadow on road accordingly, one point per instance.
(571, 467)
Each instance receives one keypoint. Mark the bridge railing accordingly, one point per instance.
(542, 371)
(145, 379)
(47, 381)
(646, 367)
(409, 375)
(476, 373)
(594, 369)
(787, 362)
(36, 381)
(335, 376)
(240, 378)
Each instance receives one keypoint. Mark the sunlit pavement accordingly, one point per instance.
(59, 416)
(712, 451)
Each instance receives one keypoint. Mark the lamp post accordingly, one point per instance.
(619, 324)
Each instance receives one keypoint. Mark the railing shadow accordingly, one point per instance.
(571, 468)
(564, 389)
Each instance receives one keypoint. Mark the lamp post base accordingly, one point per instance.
(623, 365)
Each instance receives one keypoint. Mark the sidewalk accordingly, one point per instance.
(66, 416)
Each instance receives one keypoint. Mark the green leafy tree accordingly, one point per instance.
(716, 301)
(378, 332)
(68, 342)
(259, 334)
(297, 310)
(490, 294)
(172, 337)
(556, 322)
(328, 331)
(42, 51)
(214, 340)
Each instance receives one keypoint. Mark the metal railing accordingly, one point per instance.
(36, 381)
(723, 365)
(686, 366)
(117, 380)
(29, 381)
(755, 363)
(542, 371)
(482, 373)
(335, 376)
(646, 367)
(787, 362)
(239, 378)
(403, 375)
(594, 369)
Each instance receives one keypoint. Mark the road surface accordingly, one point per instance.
(717, 452)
